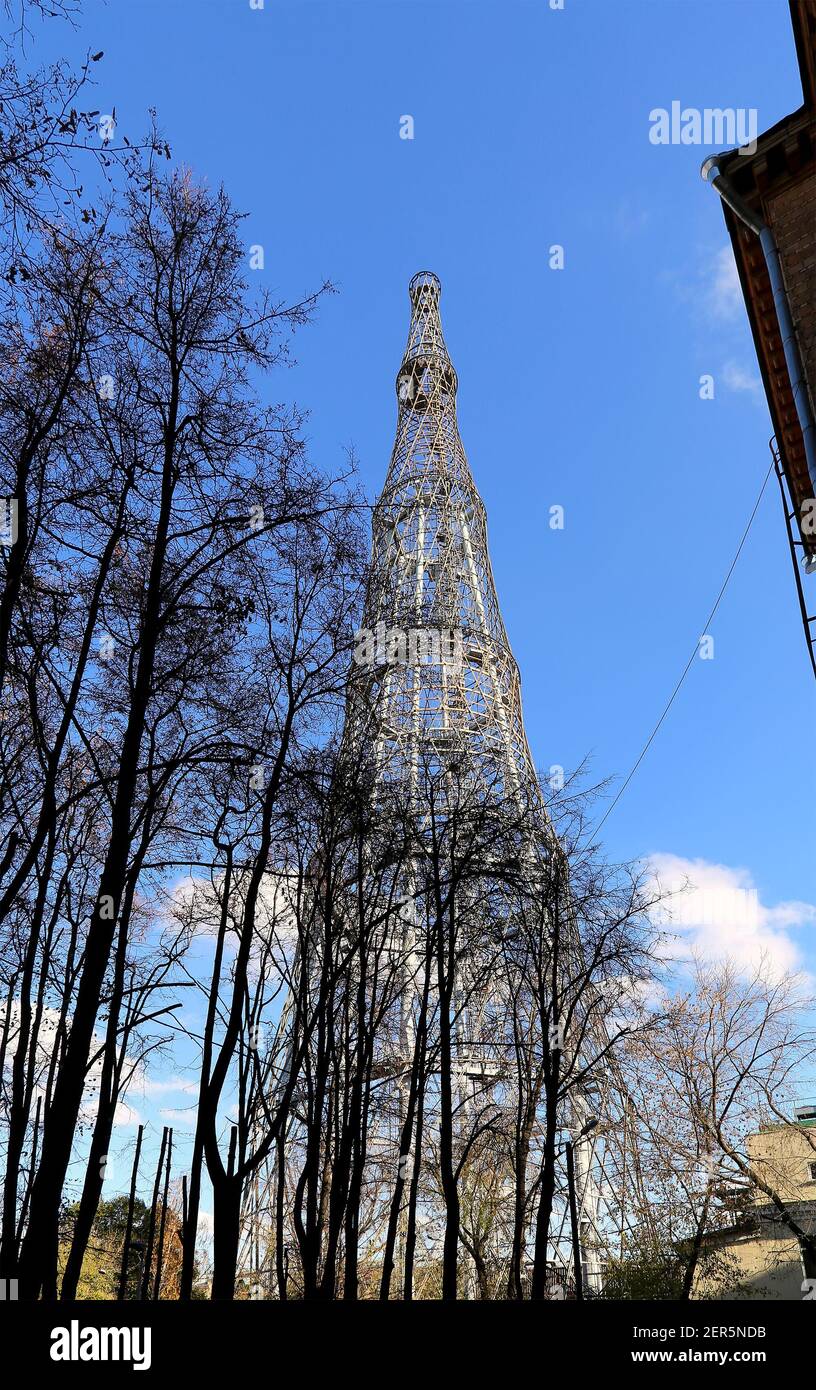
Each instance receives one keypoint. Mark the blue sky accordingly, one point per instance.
(578, 387)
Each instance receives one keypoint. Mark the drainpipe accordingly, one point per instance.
(711, 173)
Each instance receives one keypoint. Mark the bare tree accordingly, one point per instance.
(204, 480)
(729, 1053)
(583, 952)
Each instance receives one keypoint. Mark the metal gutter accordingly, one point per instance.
(712, 174)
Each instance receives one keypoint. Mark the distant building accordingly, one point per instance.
(769, 203)
(766, 1256)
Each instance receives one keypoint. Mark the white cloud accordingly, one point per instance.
(46, 1041)
(125, 1117)
(152, 1086)
(709, 286)
(180, 1119)
(716, 911)
(722, 289)
(195, 899)
(739, 378)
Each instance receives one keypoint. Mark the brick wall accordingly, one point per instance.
(792, 216)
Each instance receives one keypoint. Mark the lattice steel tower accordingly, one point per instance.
(438, 685)
(431, 592)
(435, 684)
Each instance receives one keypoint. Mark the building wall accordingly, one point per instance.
(783, 1155)
(767, 1262)
(764, 1269)
(792, 216)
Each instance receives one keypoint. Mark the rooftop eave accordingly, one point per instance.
(784, 155)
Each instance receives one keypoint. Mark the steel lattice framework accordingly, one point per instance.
(434, 684)
(431, 577)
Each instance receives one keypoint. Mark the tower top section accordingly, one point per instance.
(425, 283)
(426, 366)
(430, 577)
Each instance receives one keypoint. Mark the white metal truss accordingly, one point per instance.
(431, 584)
(434, 682)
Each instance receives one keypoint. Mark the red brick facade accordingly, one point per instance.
(778, 182)
(792, 217)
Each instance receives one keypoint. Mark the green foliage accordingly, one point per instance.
(99, 1279)
(652, 1273)
(645, 1274)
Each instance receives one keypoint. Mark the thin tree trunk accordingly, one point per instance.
(413, 1198)
(162, 1223)
(545, 1205)
(38, 1258)
(226, 1226)
(147, 1258)
(450, 1188)
(21, 1083)
(196, 1165)
(280, 1208)
(696, 1247)
(414, 1085)
(109, 1089)
(123, 1273)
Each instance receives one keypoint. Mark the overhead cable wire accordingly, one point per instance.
(647, 745)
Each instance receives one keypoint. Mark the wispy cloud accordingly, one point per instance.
(180, 1119)
(125, 1117)
(708, 284)
(153, 1086)
(722, 293)
(741, 379)
(716, 910)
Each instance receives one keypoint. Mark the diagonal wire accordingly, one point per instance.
(647, 745)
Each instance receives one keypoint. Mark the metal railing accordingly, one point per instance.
(798, 552)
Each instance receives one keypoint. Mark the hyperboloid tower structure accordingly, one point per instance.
(435, 677)
(435, 696)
